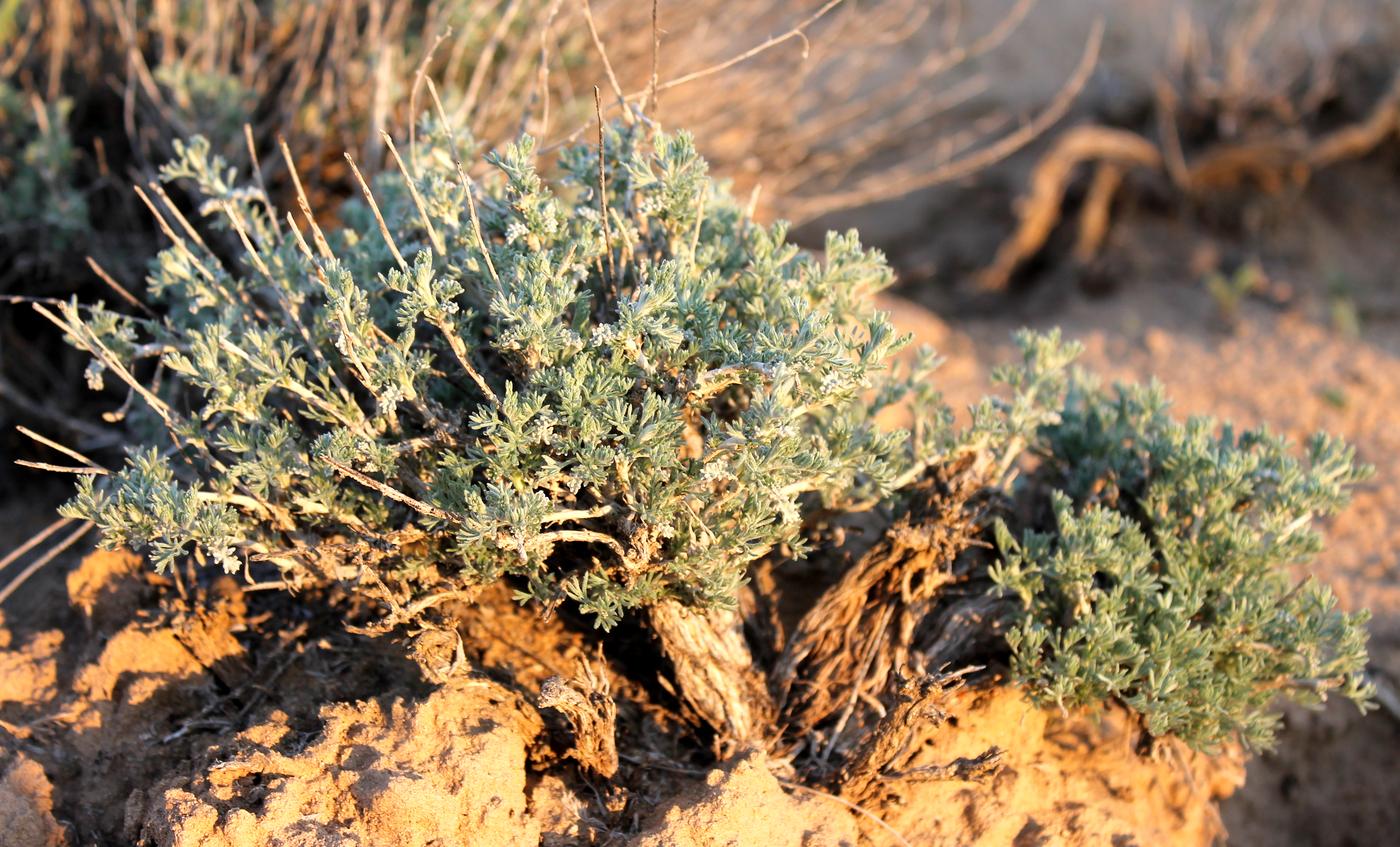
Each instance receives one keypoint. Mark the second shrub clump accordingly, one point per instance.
(1163, 582)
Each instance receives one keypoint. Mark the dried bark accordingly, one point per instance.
(967, 629)
(862, 630)
(586, 701)
(714, 672)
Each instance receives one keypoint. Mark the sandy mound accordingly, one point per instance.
(108, 586)
(26, 803)
(114, 741)
(743, 803)
(204, 721)
(1069, 780)
(28, 672)
(448, 770)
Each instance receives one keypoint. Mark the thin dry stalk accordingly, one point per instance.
(468, 188)
(38, 564)
(378, 216)
(603, 194)
(410, 180)
(120, 289)
(540, 95)
(607, 65)
(915, 175)
(466, 111)
(653, 99)
(54, 445)
(34, 541)
(322, 246)
(798, 32)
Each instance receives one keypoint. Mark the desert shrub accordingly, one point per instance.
(37, 164)
(1164, 582)
(616, 396)
(605, 382)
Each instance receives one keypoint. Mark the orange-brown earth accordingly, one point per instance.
(145, 718)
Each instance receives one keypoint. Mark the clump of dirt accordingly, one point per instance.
(1082, 778)
(28, 671)
(742, 802)
(448, 770)
(124, 704)
(143, 672)
(108, 586)
(26, 802)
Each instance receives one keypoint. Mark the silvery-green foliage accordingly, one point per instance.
(618, 414)
(608, 422)
(1164, 581)
(37, 164)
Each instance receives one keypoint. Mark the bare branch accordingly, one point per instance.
(378, 216)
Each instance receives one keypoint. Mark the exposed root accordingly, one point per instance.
(587, 702)
(967, 627)
(1094, 217)
(862, 630)
(1039, 211)
(1360, 138)
(1271, 163)
(714, 671)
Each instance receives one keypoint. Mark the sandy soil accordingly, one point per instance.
(231, 719)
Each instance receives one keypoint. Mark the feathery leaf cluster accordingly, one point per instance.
(613, 396)
(37, 162)
(1165, 581)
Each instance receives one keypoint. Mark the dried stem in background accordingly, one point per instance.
(1275, 154)
(1039, 210)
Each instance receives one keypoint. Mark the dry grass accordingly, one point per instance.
(828, 104)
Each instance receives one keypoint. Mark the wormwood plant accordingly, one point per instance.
(37, 160)
(613, 386)
(1164, 583)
